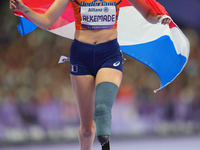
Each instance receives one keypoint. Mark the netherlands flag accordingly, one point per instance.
(163, 48)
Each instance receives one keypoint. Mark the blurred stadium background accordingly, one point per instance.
(37, 103)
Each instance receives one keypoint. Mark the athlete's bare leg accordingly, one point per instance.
(109, 75)
(84, 89)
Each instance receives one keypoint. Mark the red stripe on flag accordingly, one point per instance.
(43, 5)
(66, 18)
(172, 24)
(157, 7)
(37, 3)
(125, 3)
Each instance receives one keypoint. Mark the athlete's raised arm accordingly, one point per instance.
(146, 11)
(46, 20)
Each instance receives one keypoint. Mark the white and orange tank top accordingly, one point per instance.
(96, 14)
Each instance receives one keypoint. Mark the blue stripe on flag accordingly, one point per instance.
(160, 55)
(25, 26)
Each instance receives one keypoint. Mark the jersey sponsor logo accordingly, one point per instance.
(106, 9)
(117, 63)
(95, 10)
(95, 3)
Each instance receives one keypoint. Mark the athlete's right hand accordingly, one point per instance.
(17, 5)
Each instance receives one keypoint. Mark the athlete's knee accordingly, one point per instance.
(87, 131)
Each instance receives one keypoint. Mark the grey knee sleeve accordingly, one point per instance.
(105, 96)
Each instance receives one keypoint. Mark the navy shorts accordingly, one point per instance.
(87, 59)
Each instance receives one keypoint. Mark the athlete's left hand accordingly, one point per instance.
(152, 18)
(165, 20)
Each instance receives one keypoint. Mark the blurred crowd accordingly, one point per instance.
(36, 91)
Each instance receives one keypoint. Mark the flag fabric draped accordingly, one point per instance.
(163, 48)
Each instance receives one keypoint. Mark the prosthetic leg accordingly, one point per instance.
(105, 96)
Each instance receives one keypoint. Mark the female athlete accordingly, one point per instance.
(95, 59)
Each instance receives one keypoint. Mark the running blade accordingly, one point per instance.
(106, 146)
